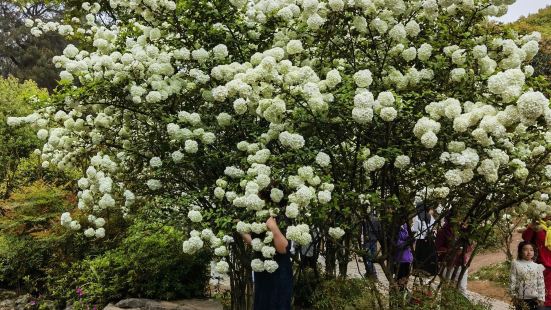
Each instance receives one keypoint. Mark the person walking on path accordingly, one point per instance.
(453, 253)
(424, 256)
(371, 229)
(404, 258)
(274, 291)
(539, 234)
(527, 284)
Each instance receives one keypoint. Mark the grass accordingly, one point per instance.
(497, 273)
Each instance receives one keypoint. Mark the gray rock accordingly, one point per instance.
(133, 303)
(5, 294)
(113, 307)
(199, 304)
(160, 305)
(7, 304)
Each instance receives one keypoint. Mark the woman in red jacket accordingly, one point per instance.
(536, 234)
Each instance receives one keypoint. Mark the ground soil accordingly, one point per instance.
(485, 287)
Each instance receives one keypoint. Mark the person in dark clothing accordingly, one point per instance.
(424, 256)
(274, 291)
(460, 248)
(371, 229)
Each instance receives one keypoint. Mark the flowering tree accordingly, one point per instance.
(321, 111)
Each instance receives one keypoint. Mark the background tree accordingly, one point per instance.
(16, 98)
(22, 54)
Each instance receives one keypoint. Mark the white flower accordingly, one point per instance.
(424, 52)
(192, 245)
(240, 106)
(388, 114)
(268, 251)
(221, 251)
(398, 32)
(315, 21)
(336, 5)
(100, 233)
(429, 139)
(106, 201)
(412, 28)
(409, 54)
(453, 177)
(336, 233)
(220, 51)
(83, 183)
(154, 184)
(234, 172)
(66, 218)
(386, 99)
(42, 134)
(257, 265)
(70, 51)
(401, 162)
(270, 266)
(219, 192)
(191, 146)
(324, 196)
(222, 267)
(480, 51)
(375, 162)
(195, 216)
(333, 78)
(155, 162)
(458, 74)
(90, 232)
(291, 140)
(323, 160)
(294, 47)
(74, 225)
(531, 105)
(362, 115)
(177, 156)
(200, 55)
(243, 228)
(154, 34)
(276, 194)
(223, 119)
(291, 211)
(363, 78)
(99, 222)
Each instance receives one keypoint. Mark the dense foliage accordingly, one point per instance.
(16, 144)
(146, 264)
(318, 112)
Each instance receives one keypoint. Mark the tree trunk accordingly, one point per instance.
(240, 276)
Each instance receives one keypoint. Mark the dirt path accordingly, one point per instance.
(487, 259)
(488, 288)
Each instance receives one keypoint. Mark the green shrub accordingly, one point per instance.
(32, 241)
(148, 263)
(345, 294)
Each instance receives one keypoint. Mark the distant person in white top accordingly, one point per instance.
(527, 284)
(424, 257)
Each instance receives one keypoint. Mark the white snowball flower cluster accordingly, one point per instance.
(507, 84)
(374, 163)
(426, 129)
(336, 232)
(299, 234)
(402, 161)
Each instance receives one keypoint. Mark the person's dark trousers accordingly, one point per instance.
(371, 249)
